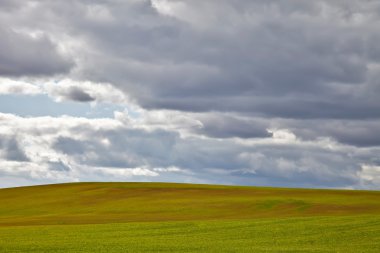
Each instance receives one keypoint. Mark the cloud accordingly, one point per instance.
(228, 126)
(84, 91)
(361, 133)
(25, 55)
(32, 172)
(9, 86)
(11, 150)
(127, 172)
(64, 90)
(273, 59)
(72, 149)
(287, 72)
(76, 94)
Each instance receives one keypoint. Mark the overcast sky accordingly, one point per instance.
(246, 92)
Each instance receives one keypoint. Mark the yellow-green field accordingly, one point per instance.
(158, 217)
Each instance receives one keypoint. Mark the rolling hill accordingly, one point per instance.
(150, 217)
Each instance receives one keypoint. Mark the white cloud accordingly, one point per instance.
(64, 90)
(99, 13)
(169, 8)
(38, 172)
(183, 123)
(283, 135)
(69, 148)
(11, 86)
(122, 173)
(369, 174)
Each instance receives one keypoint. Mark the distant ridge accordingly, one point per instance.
(91, 203)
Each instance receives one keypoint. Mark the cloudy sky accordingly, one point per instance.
(248, 92)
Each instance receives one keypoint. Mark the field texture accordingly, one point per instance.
(154, 217)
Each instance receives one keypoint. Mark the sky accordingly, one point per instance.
(242, 92)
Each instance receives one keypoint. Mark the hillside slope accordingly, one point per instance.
(91, 203)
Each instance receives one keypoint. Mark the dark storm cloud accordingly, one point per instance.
(225, 126)
(23, 55)
(363, 133)
(76, 94)
(293, 60)
(267, 106)
(289, 59)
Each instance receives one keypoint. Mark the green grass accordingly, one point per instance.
(316, 234)
(156, 217)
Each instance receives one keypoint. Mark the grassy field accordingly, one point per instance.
(155, 217)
